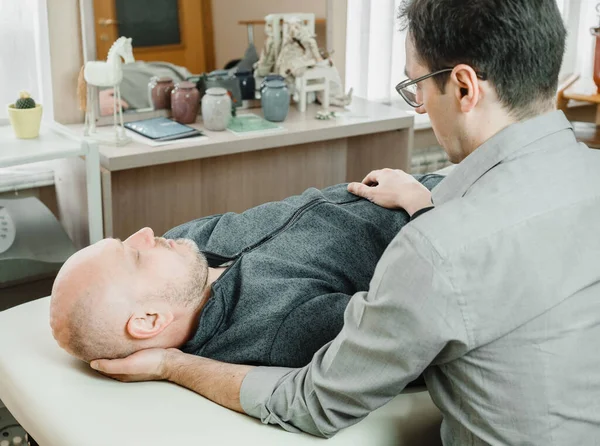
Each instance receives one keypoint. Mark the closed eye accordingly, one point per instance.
(127, 251)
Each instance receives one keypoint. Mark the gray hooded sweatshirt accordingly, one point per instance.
(292, 267)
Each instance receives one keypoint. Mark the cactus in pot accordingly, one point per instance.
(24, 101)
(25, 116)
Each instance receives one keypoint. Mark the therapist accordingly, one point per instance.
(495, 293)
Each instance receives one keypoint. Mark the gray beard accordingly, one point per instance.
(190, 293)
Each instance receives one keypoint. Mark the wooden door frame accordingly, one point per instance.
(208, 35)
(108, 10)
(88, 33)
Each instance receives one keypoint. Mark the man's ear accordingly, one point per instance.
(466, 87)
(146, 323)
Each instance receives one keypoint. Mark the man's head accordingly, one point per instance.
(114, 298)
(517, 44)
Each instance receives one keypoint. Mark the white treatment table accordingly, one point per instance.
(60, 401)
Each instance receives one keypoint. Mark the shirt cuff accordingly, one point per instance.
(421, 212)
(258, 386)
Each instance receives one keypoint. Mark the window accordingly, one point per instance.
(579, 17)
(375, 55)
(24, 53)
(375, 47)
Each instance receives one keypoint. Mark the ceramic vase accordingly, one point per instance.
(275, 100)
(247, 84)
(216, 109)
(268, 78)
(596, 34)
(225, 79)
(185, 102)
(159, 90)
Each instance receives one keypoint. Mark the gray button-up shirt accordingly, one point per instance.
(494, 294)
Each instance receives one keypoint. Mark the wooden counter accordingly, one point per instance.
(164, 186)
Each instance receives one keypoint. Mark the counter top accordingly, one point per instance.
(362, 117)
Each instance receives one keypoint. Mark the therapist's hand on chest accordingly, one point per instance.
(393, 189)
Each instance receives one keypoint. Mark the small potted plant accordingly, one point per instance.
(25, 116)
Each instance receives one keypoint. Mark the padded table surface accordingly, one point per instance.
(60, 401)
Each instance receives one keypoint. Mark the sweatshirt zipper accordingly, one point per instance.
(295, 216)
(273, 234)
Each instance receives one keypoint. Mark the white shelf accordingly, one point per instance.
(52, 144)
(56, 142)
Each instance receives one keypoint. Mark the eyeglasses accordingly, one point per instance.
(408, 88)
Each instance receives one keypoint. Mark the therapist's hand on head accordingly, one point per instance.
(143, 365)
(393, 189)
(217, 381)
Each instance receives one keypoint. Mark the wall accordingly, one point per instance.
(65, 57)
(337, 18)
(231, 39)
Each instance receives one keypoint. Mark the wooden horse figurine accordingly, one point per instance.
(96, 74)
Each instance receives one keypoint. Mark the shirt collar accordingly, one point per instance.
(508, 142)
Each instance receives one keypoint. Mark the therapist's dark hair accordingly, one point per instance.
(519, 44)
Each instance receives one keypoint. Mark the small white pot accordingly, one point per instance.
(216, 109)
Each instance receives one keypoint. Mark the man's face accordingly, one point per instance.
(442, 108)
(140, 267)
(152, 263)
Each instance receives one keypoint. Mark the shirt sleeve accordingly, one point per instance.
(408, 320)
(421, 212)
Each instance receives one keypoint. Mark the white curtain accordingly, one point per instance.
(374, 49)
(18, 64)
(579, 17)
(375, 54)
(24, 53)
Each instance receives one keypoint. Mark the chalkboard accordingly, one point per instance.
(149, 22)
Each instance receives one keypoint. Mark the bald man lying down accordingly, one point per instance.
(268, 286)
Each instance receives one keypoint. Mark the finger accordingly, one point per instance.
(361, 190)
(372, 177)
(109, 366)
(122, 378)
(117, 377)
(98, 365)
